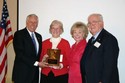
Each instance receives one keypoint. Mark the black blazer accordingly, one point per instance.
(24, 70)
(99, 60)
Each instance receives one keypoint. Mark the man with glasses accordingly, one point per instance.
(99, 61)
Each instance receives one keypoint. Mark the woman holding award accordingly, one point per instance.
(79, 33)
(55, 70)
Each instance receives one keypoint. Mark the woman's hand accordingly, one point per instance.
(57, 67)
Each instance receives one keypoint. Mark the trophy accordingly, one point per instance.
(54, 56)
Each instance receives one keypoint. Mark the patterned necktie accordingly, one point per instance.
(34, 42)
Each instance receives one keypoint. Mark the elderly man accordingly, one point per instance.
(27, 46)
(99, 61)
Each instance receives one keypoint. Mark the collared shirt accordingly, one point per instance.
(37, 44)
(96, 35)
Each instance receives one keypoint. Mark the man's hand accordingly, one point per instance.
(43, 64)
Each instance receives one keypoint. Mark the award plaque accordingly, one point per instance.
(54, 56)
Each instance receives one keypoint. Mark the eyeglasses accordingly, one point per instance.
(93, 22)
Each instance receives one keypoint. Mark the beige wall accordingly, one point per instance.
(12, 8)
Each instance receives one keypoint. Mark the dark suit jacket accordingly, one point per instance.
(24, 70)
(99, 61)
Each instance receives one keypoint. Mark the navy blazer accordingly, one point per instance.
(99, 60)
(24, 69)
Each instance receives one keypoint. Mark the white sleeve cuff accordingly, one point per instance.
(61, 58)
(36, 63)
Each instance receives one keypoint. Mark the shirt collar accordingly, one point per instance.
(96, 35)
(30, 32)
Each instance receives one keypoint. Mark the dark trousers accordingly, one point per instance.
(35, 79)
(54, 79)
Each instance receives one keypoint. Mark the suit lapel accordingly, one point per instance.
(94, 45)
(29, 39)
(100, 36)
(38, 38)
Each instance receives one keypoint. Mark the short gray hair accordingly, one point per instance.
(54, 22)
(31, 15)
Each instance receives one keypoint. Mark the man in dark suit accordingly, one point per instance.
(99, 60)
(26, 65)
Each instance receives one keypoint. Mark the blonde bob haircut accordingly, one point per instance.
(79, 25)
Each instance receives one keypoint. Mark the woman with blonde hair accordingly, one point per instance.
(79, 33)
